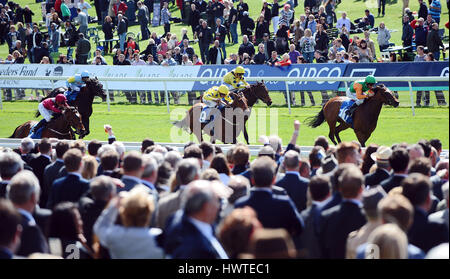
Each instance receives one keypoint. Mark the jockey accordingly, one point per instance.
(234, 78)
(215, 97)
(74, 84)
(48, 107)
(357, 89)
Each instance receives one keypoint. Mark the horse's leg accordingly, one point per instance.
(245, 132)
(85, 121)
(362, 137)
(332, 125)
(341, 127)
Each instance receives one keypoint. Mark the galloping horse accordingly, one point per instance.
(256, 91)
(224, 124)
(57, 128)
(364, 119)
(84, 100)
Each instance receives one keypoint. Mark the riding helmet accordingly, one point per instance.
(239, 70)
(371, 79)
(223, 89)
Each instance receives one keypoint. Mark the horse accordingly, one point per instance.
(59, 127)
(365, 116)
(84, 100)
(256, 91)
(224, 124)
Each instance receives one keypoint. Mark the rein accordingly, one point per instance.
(59, 133)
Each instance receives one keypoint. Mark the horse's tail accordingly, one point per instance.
(14, 133)
(315, 121)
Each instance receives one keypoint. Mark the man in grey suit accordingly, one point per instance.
(54, 38)
(132, 170)
(188, 171)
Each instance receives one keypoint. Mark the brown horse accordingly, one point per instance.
(227, 125)
(59, 127)
(365, 116)
(256, 91)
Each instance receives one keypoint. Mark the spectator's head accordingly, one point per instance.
(218, 22)
(240, 186)
(396, 209)
(265, 36)
(201, 202)
(11, 228)
(317, 54)
(90, 166)
(187, 171)
(137, 207)
(241, 155)
(420, 50)
(436, 143)
(272, 244)
(267, 151)
(351, 183)
(207, 150)
(132, 164)
(93, 147)
(415, 151)
(319, 187)
(391, 241)
(416, 187)
(291, 161)
(173, 158)
(347, 152)
(435, 26)
(399, 160)
(315, 156)
(367, 12)
(150, 168)
(382, 25)
(216, 43)
(370, 199)
(381, 157)
(319, 27)
(245, 39)
(263, 172)
(24, 190)
(102, 188)
(65, 222)
(236, 230)
(429, 57)
(219, 163)
(204, 24)
(73, 160)
(420, 165)
(261, 48)
(26, 145)
(421, 21)
(308, 32)
(109, 159)
(210, 175)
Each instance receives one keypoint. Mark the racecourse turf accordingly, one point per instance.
(136, 122)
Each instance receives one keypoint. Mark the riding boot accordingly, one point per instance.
(41, 123)
(352, 109)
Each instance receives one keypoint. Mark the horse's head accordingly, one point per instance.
(95, 88)
(239, 101)
(260, 90)
(73, 117)
(386, 96)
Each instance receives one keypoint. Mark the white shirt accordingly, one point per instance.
(219, 56)
(207, 231)
(343, 22)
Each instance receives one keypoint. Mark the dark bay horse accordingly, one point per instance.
(59, 128)
(84, 100)
(364, 119)
(227, 126)
(256, 91)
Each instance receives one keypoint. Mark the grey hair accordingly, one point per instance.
(196, 195)
(104, 148)
(149, 164)
(275, 142)
(26, 144)
(292, 159)
(120, 148)
(240, 186)
(173, 158)
(157, 156)
(10, 164)
(22, 186)
(101, 188)
(187, 170)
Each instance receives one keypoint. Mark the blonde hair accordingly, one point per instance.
(308, 32)
(137, 207)
(90, 165)
(389, 241)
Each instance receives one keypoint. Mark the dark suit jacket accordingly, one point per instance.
(274, 211)
(90, 210)
(373, 179)
(42, 218)
(68, 188)
(221, 34)
(32, 239)
(212, 55)
(182, 240)
(392, 182)
(28, 157)
(38, 164)
(336, 223)
(3, 185)
(426, 234)
(5, 255)
(296, 188)
(129, 184)
(50, 174)
(336, 199)
(309, 239)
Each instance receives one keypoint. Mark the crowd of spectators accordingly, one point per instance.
(337, 202)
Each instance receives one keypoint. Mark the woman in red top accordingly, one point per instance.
(195, 60)
(285, 61)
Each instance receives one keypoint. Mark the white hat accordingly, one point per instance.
(382, 154)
